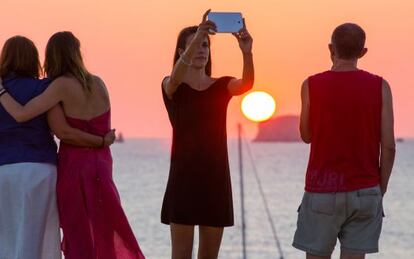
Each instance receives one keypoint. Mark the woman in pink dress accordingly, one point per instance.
(91, 217)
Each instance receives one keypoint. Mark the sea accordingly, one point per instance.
(141, 173)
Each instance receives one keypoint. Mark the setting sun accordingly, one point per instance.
(258, 106)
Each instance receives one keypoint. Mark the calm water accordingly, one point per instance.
(141, 171)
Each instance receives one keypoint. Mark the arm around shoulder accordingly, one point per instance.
(38, 105)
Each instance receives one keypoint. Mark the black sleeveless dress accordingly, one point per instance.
(199, 187)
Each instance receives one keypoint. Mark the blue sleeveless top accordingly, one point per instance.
(30, 141)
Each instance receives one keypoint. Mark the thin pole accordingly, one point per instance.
(243, 225)
(265, 203)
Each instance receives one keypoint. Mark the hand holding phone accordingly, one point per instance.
(244, 38)
(206, 27)
(227, 22)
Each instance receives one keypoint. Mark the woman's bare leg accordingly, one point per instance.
(209, 242)
(182, 237)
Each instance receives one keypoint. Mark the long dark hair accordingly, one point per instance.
(63, 56)
(181, 41)
(20, 55)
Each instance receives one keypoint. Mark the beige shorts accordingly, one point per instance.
(355, 218)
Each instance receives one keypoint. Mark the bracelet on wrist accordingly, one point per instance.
(2, 91)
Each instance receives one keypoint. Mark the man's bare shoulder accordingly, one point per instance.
(386, 90)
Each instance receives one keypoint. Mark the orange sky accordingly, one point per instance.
(130, 44)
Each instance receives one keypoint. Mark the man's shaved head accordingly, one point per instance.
(348, 40)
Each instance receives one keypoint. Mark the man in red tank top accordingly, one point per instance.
(347, 117)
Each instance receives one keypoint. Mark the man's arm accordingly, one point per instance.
(387, 137)
(73, 136)
(305, 131)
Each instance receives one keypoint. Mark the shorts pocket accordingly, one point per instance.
(323, 203)
(369, 202)
(304, 204)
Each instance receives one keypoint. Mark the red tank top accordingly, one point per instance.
(345, 121)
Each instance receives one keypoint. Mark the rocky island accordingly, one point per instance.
(279, 129)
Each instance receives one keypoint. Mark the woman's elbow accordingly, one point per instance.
(62, 134)
(20, 118)
(249, 87)
(245, 87)
(249, 84)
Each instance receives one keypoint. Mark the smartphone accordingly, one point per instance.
(227, 22)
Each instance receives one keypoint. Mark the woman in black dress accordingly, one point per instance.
(199, 187)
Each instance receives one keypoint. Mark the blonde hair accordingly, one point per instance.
(63, 57)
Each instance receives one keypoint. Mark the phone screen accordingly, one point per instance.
(227, 22)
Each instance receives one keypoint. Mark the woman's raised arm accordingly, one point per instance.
(240, 86)
(180, 68)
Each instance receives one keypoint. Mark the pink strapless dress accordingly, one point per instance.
(91, 217)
